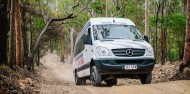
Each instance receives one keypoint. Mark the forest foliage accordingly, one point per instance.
(167, 21)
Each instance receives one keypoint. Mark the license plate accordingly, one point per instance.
(130, 67)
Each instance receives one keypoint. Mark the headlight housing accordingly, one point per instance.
(149, 51)
(102, 51)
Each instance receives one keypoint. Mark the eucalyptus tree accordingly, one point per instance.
(12, 52)
(147, 17)
(186, 57)
(18, 33)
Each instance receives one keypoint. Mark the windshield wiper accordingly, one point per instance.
(138, 39)
(115, 38)
(106, 40)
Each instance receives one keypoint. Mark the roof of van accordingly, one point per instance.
(124, 21)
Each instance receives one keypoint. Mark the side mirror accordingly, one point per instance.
(86, 39)
(146, 39)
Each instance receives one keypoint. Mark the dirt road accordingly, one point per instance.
(58, 79)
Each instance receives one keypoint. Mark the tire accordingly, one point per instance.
(115, 82)
(83, 81)
(96, 78)
(78, 81)
(146, 78)
(111, 82)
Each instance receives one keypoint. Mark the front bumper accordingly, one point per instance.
(108, 66)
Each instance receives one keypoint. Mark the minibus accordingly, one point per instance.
(110, 48)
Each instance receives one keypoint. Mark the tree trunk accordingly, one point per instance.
(65, 45)
(61, 46)
(156, 32)
(184, 5)
(38, 61)
(106, 8)
(92, 11)
(123, 8)
(186, 57)
(18, 34)
(162, 54)
(165, 45)
(71, 43)
(4, 30)
(147, 18)
(25, 40)
(12, 57)
(51, 46)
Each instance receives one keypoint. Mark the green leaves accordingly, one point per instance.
(177, 22)
(39, 23)
(98, 6)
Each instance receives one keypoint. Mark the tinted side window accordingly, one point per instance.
(89, 35)
(79, 46)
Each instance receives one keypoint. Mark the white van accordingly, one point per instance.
(111, 48)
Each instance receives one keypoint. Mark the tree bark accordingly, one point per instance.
(71, 43)
(123, 8)
(61, 46)
(162, 54)
(92, 11)
(156, 32)
(186, 57)
(4, 30)
(184, 5)
(38, 57)
(12, 57)
(50, 46)
(18, 34)
(106, 8)
(147, 18)
(24, 35)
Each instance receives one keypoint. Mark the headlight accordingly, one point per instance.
(102, 51)
(149, 51)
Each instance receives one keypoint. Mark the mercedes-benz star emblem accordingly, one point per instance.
(129, 52)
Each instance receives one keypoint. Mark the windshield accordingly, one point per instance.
(104, 32)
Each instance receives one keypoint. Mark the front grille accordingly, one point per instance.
(123, 52)
(129, 61)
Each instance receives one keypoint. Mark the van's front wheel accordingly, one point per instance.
(79, 81)
(95, 77)
(146, 78)
(111, 82)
